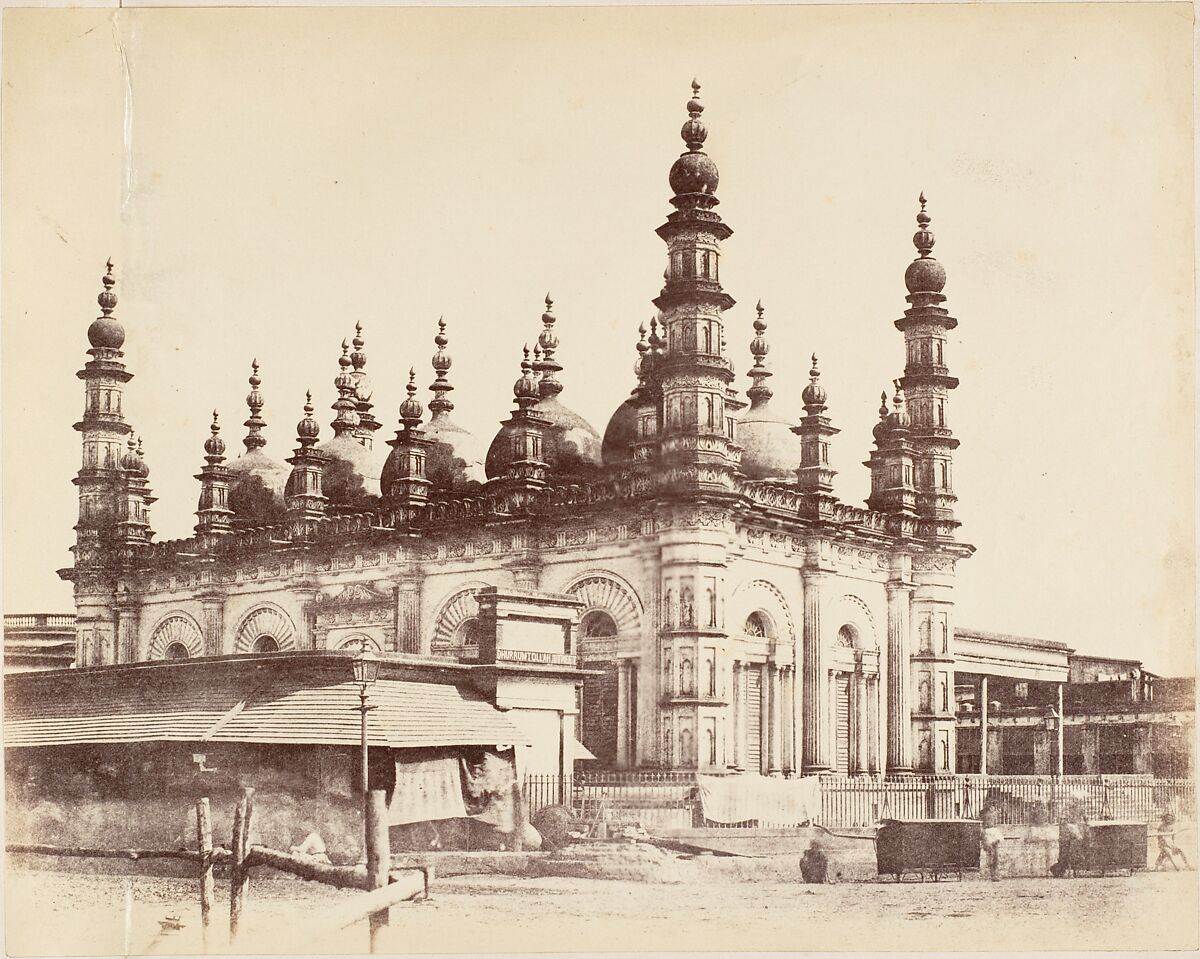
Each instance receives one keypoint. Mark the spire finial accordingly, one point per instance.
(923, 239)
(441, 361)
(214, 446)
(347, 418)
(813, 394)
(759, 393)
(308, 429)
(883, 407)
(254, 400)
(411, 409)
(107, 298)
(358, 358)
(548, 366)
(525, 389)
(694, 132)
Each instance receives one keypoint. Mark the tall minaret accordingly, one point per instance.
(212, 511)
(693, 374)
(303, 498)
(815, 475)
(100, 478)
(367, 424)
(926, 384)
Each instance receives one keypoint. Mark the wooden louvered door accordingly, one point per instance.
(841, 760)
(753, 719)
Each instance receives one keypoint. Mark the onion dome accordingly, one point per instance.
(621, 432)
(254, 476)
(363, 388)
(881, 428)
(130, 461)
(526, 390)
(308, 429)
(454, 458)
(924, 274)
(770, 450)
(898, 418)
(214, 446)
(106, 332)
(411, 409)
(694, 171)
(570, 444)
(814, 394)
(143, 468)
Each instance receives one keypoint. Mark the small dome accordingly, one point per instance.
(694, 173)
(770, 450)
(925, 275)
(256, 463)
(620, 434)
(130, 460)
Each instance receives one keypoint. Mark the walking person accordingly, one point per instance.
(992, 835)
(1070, 848)
(1167, 848)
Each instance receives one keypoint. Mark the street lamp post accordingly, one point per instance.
(366, 671)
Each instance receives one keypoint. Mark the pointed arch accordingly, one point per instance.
(176, 628)
(262, 622)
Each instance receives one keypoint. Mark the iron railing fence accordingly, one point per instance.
(865, 800)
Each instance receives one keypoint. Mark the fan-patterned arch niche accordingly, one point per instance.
(458, 622)
(176, 637)
(608, 608)
(266, 629)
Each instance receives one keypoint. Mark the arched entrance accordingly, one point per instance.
(598, 706)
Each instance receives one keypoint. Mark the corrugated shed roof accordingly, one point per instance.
(254, 708)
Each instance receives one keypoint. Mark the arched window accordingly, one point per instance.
(265, 644)
(597, 623)
(756, 625)
(176, 651)
(711, 736)
(847, 636)
(687, 678)
(712, 675)
(468, 632)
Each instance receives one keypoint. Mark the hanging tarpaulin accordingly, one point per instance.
(488, 779)
(762, 799)
(427, 790)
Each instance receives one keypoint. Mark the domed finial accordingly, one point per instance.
(924, 275)
(525, 389)
(106, 331)
(214, 446)
(694, 132)
(411, 409)
(130, 460)
(759, 393)
(107, 299)
(441, 361)
(254, 400)
(358, 358)
(898, 418)
(813, 394)
(883, 407)
(548, 366)
(308, 429)
(881, 427)
(347, 418)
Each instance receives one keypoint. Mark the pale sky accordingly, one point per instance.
(265, 178)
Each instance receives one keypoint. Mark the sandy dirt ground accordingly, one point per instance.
(61, 913)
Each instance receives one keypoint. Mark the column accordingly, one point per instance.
(873, 724)
(764, 717)
(816, 683)
(1062, 722)
(789, 720)
(127, 630)
(900, 734)
(983, 724)
(775, 739)
(408, 618)
(212, 607)
(622, 713)
(739, 725)
(861, 762)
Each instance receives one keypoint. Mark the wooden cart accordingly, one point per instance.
(934, 847)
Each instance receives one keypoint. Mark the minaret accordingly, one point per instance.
(693, 374)
(303, 498)
(346, 405)
(891, 463)
(403, 480)
(367, 424)
(648, 396)
(815, 474)
(135, 529)
(254, 440)
(759, 393)
(100, 479)
(212, 512)
(927, 382)
(526, 430)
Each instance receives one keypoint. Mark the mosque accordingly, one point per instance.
(726, 610)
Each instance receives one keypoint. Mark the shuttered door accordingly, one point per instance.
(753, 720)
(842, 758)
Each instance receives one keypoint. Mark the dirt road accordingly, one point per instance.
(68, 914)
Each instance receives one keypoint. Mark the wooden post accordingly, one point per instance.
(518, 815)
(239, 875)
(379, 858)
(204, 846)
